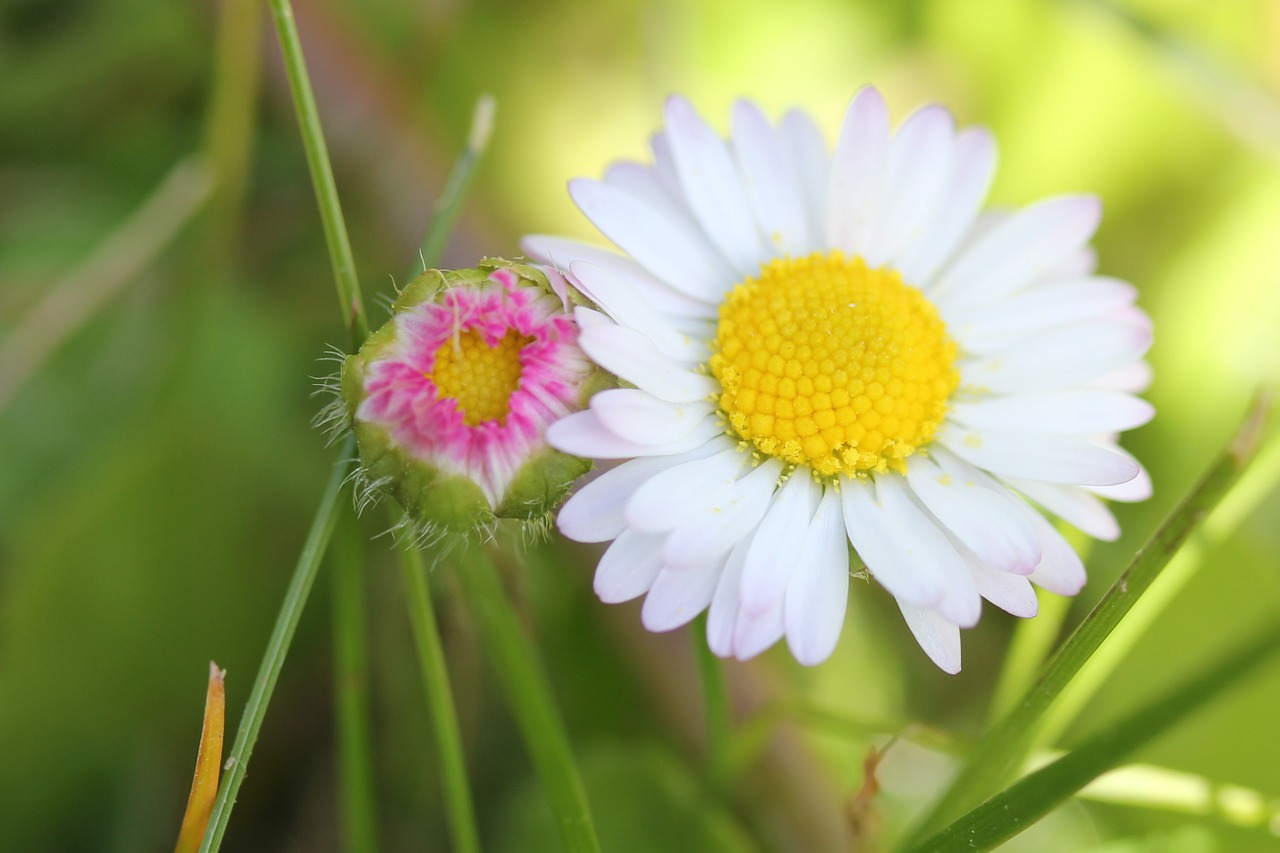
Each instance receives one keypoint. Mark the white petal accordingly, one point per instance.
(919, 166)
(939, 638)
(986, 521)
(1051, 458)
(1018, 250)
(1080, 411)
(589, 318)
(873, 531)
(857, 172)
(808, 153)
(1134, 378)
(771, 558)
(632, 356)
(628, 568)
(819, 590)
(722, 617)
(924, 539)
(582, 434)
(664, 164)
(1054, 303)
(1137, 489)
(595, 512)
(1059, 357)
(676, 597)
(719, 525)
(627, 304)
(712, 187)
(770, 181)
(561, 252)
(668, 498)
(1083, 261)
(647, 185)
(641, 417)
(1060, 568)
(754, 633)
(679, 257)
(1011, 593)
(973, 166)
(1073, 505)
(906, 551)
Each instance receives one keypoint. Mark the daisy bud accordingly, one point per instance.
(451, 399)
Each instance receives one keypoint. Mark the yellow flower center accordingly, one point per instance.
(825, 362)
(478, 377)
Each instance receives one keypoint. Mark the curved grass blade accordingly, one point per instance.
(1013, 810)
(1003, 748)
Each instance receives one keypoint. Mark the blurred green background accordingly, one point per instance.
(158, 471)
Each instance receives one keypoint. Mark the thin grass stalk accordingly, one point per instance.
(440, 705)
(357, 799)
(295, 599)
(1255, 484)
(1011, 811)
(529, 697)
(335, 228)
(1005, 746)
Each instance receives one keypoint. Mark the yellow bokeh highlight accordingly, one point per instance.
(826, 362)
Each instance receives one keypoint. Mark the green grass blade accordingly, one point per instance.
(440, 705)
(295, 599)
(1003, 748)
(1011, 811)
(719, 716)
(357, 797)
(1255, 484)
(529, 698)
(449, 203)
(335, 228)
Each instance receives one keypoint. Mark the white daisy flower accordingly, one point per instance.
(837, 349)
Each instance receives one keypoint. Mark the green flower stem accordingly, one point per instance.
(1033, 639)
(529, 697)
(335, 229)
(1011, 811)
(715, 695)
(356, 793)
(440, 706)
(1005, 745)
(449, 203)
(304, 574)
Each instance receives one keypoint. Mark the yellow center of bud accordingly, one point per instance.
(478, 377)
(825, 362)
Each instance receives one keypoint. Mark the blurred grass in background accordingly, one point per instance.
(157, 472)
